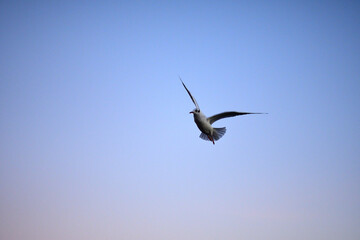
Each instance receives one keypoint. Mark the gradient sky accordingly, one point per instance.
(96, 141)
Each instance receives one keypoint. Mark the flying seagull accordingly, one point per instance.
(208, 132)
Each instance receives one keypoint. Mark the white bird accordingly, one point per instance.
(208, 132)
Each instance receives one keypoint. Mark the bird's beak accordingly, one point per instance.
(191, 112)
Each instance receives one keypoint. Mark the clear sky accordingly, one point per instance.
(96, 141)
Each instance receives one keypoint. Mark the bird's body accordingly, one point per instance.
(208, 132)
(203, 124)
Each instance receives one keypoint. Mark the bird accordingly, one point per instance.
(208, 132)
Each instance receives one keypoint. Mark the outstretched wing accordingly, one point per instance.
(192, 98)
(216, 117)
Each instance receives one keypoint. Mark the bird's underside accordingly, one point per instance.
(209, 133)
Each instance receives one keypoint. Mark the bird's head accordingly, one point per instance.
(195, 111)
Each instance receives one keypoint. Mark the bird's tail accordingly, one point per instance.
(218, 133)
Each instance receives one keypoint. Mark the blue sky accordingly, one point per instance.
(96, 141)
